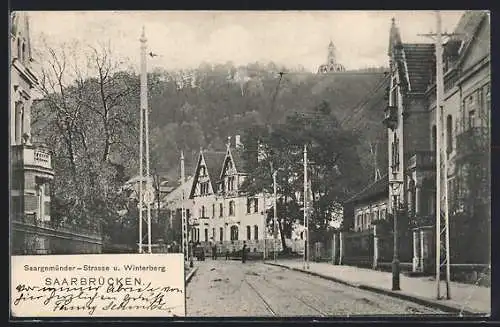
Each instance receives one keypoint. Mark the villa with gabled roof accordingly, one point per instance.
(222, 214)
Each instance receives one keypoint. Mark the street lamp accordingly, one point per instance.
(396, 187)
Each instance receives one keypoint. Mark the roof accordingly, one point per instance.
(237, 155)
(419, 63)
(375, 189)
(467, 28)
(214, 161)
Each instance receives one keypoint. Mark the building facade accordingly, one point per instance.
(412, 141)
(222, 214)
(31, 170)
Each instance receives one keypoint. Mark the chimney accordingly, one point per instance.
(237, 141)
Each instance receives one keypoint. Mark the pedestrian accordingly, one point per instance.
(214, 252)
(244, 252)
(227, 254)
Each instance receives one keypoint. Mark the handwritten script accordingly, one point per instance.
(108, 293)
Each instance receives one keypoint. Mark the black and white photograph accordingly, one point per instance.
(250, 163)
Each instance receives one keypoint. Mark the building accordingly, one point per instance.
(31, 169)
(172, 202)
(331, 64)
(411, 131)
(222, 214)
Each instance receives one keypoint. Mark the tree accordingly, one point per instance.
(334, 166)
(87, 117)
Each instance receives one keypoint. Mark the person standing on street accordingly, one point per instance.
(214, 252)
(244, 252)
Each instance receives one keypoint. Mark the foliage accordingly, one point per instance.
(334, 167)
(88, 116)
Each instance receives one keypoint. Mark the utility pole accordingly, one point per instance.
(145, 196)
(265, 219)
(275, 231)
(185, 249)
(441, 168)
(306, 222)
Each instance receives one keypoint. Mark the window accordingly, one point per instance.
(202, 211)
(472, 118)
(221, 234)
(234, 233)
(434, 138)
(197, 234)
(213, 234)
(213, 210)
(449, 134)
(394, 94)
(19, 122)
(23, 52)
(395, 153)
(249, 233)
(203, 171)
(255, 232)
(206, 234)
(204, 188)
(231, 208)
(19, 50)
(256, 205)
(249, 201)
(221, 210)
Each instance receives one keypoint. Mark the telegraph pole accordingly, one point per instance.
(265, 220)
(441, 167)
(144, 196)
(306, 222)
(275, 231)
(184, 241)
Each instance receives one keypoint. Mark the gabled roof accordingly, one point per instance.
(420, 63)
(467, 28)
(379, 188)
(213, 161)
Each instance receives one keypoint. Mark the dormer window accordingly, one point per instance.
(203, 171)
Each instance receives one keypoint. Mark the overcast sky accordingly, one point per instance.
(185, 39)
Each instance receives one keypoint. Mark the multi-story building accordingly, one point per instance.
(410, 121)
(31, 168)
(222, 213)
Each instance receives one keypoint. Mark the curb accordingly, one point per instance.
(191, 274)
(412, 298)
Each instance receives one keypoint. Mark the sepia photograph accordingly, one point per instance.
(250, 164)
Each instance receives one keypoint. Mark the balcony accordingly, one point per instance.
(422, 160)
(473, 141)
(32, 157)
(391, 117)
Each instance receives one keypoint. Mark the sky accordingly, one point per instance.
(184, 40)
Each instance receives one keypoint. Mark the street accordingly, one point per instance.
(230, 288)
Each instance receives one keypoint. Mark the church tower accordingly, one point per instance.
(331, 62)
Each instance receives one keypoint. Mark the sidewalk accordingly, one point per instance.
(465, 299)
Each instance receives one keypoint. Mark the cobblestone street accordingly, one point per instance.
(230, 288)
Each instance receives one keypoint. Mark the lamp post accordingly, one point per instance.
(396, 186)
